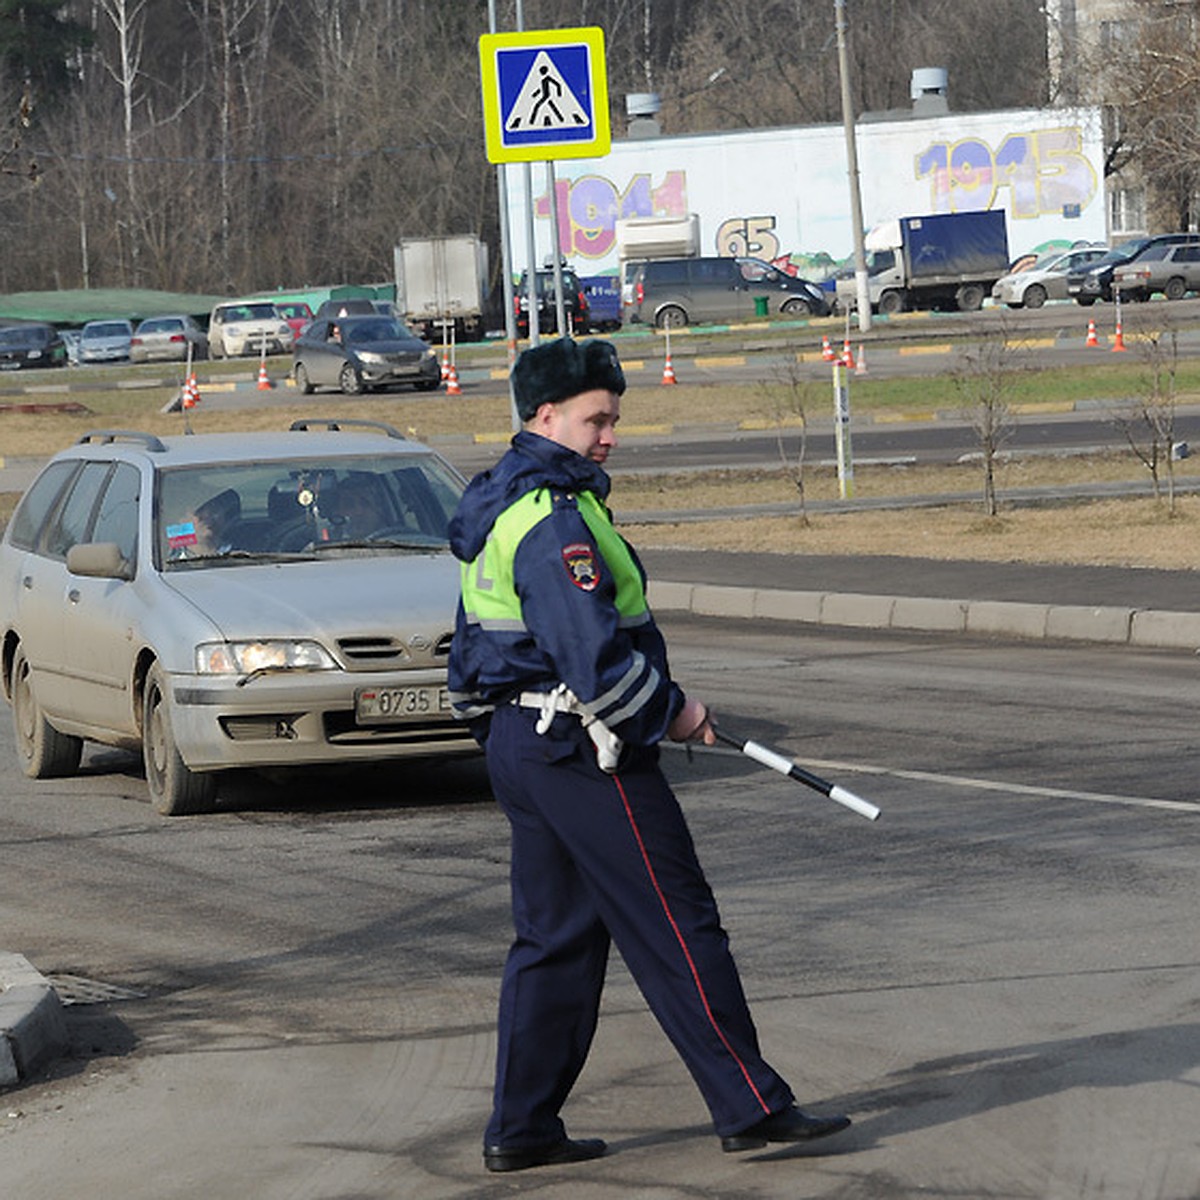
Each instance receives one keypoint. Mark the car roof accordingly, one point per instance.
(185, 450)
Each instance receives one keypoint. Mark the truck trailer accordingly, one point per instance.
(940, 261)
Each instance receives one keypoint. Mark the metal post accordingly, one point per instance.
(856, 217)
(531, 248)
(560, 308)
(506, 263)
(841, 430)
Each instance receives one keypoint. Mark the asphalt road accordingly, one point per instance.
(292, 999)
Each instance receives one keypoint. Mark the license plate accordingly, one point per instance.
(375, 705)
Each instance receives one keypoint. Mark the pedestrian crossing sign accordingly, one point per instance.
(545, 94)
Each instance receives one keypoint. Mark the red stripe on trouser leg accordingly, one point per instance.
(683, 946)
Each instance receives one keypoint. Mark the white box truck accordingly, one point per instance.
(442, 281)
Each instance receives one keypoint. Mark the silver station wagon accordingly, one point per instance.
(232, 601)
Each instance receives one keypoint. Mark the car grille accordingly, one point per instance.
(402, 359)
(376, 652)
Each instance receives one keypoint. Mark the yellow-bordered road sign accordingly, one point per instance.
(545, 94)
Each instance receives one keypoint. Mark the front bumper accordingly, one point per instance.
(296, 719)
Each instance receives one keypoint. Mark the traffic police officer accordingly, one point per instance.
(562, 672)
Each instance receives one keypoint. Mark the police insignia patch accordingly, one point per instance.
(580, 560)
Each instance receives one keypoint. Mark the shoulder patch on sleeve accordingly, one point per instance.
(580, 560)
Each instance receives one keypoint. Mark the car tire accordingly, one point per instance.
(44, 752)
(671, 316)
(1085, 301)
(796, 306)
(175, 791)
(1176, 288)
(349, 381)
(891, 303)
(1035, 296)
(304, 385)
(969, 297)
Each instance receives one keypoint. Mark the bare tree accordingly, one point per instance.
(984, 380)
(1147, 423)
(786, 400)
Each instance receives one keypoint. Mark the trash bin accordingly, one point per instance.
(760, 305)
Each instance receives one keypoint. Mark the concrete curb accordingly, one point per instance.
(32, 1029)
(1058, 622)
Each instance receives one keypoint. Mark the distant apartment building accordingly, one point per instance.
(1091, 45)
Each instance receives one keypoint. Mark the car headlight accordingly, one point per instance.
(244, 658)
(370, 356)
(429, 354)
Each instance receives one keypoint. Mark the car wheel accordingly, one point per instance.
(671, 317)
(1085, 301)
(969, 297)
(174, 789)
(891, 303)
(1035, 296)
(303, 383)
(797, 307)
(1176, 288)
(349, 381)
(44, 752)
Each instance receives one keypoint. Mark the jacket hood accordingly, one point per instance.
(531, 462)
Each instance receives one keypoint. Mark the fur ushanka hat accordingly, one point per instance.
(564, 368)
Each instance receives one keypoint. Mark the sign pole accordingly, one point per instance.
(841, 430)
(560, 308)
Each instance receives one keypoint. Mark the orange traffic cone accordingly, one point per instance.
(1119, 340)
(1092, 339)
(860, 367)
(445, 364)
(191, 392)
(847, 355)
(669, 372)
(827, 354)
(452, 388)
(264, 382)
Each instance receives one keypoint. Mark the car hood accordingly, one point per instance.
(402, 594)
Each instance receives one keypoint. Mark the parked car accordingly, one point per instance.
(253, 327)
(296, 313)
(209, 600)
(603, 294)
(1095, 282)
(1172, 270)
(360, 354)
(1031, 285)
(105, 341)
(575, 303)
(70, 339)
(682, 291)
(352, 306)
(26, 346)
(168, 338)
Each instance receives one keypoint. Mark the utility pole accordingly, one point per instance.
(856, 217)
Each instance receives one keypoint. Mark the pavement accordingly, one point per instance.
(1119, 606)
(1129, 606)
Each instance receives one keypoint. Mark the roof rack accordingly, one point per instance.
(333, 424)
(103, 436)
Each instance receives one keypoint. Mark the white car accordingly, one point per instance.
(1046, 279)
(248, 328)
(232, 601)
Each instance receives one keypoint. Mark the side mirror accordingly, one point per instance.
(98, 560)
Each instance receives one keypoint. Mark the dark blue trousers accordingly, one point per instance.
(594, 857)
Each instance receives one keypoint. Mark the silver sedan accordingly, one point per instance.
(232, 601)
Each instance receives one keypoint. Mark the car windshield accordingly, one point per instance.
(166, 325)
(234, 512)
(254, 312)
(385, 329)
(107, 329)
(19, 337)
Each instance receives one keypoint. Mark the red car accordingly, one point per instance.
(296, 313)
